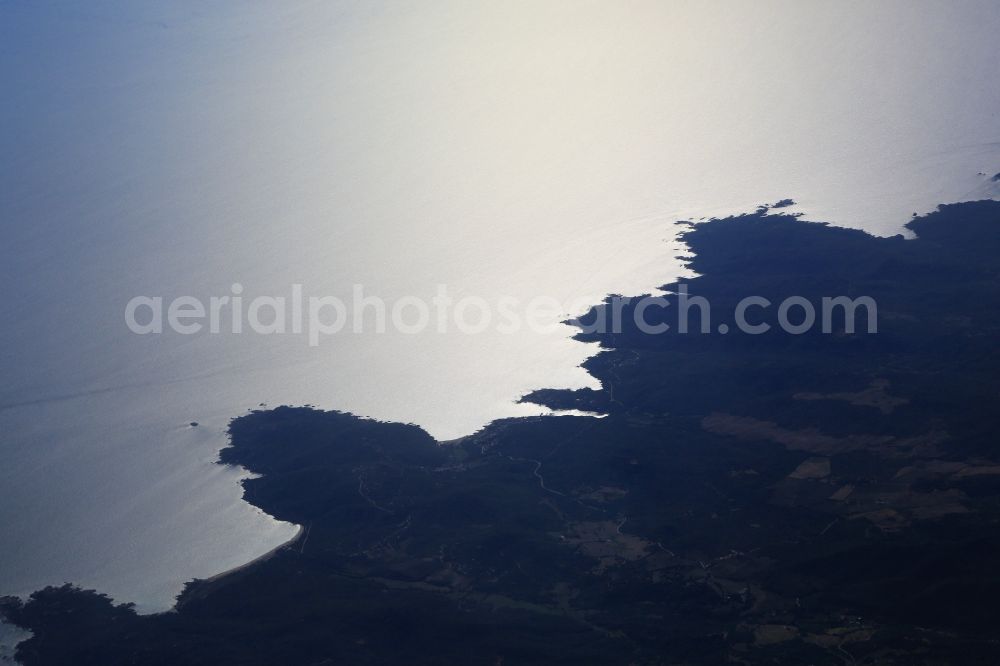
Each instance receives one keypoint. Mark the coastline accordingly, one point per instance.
(11, 636)
(699, 515)
(199, 587)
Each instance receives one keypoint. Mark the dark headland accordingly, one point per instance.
(753, 499)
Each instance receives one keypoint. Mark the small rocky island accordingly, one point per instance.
(753, 499)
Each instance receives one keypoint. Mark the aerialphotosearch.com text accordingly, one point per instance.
(320, 317)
